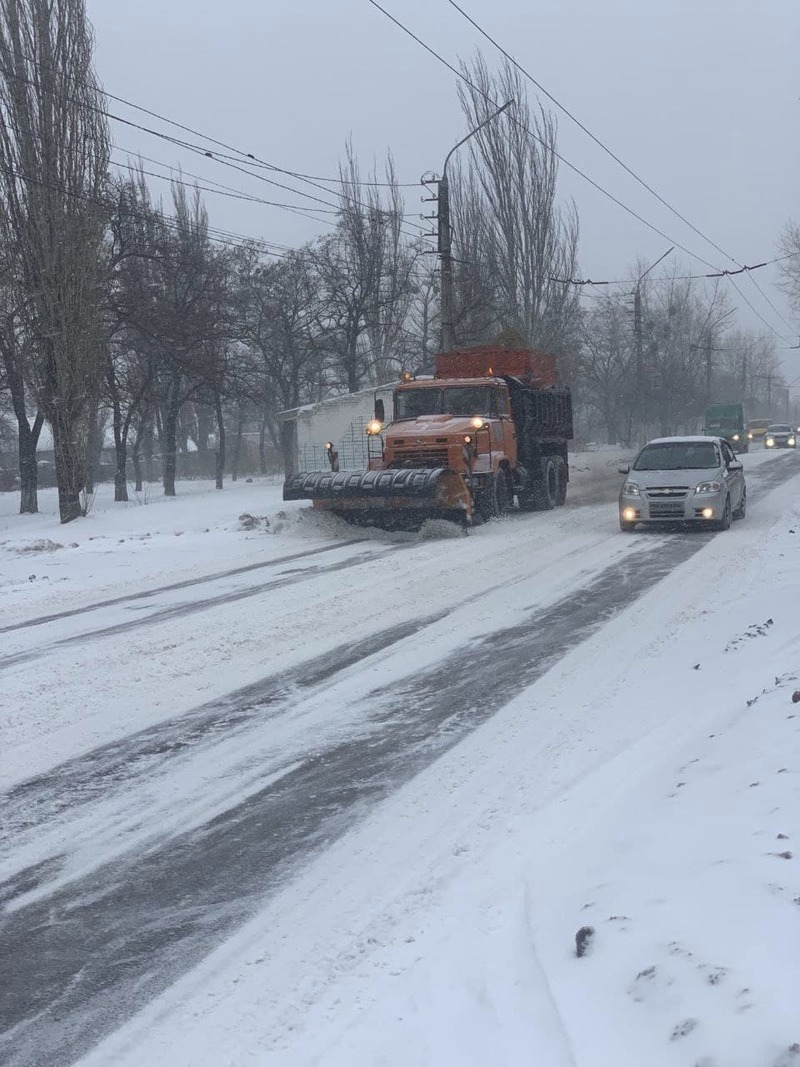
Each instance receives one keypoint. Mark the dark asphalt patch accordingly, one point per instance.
(37, 801)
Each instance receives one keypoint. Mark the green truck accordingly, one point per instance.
(727, 420)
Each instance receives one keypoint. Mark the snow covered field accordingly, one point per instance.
(640, 780)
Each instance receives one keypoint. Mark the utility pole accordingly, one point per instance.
(444, 235)
(444, 244)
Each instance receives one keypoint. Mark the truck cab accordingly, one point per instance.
(462, 424)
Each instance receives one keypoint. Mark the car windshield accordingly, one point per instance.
(779, 428)
(452, 400)
(678, 456)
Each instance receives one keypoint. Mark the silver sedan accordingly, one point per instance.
(683, 479)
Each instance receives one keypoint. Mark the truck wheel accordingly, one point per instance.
(544, 487)
(502, 493)
(495, 500)
(561, 475)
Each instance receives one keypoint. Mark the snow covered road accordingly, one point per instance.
(127, 863)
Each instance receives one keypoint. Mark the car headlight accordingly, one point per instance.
(749, 437)
(708, 487)
(790, 441)
(631, 489)
(736, 437)
(770, 442)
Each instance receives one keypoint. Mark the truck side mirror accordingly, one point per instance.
(380, 410)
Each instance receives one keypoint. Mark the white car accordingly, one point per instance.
(683, 479)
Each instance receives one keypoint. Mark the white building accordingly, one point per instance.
(341, 420)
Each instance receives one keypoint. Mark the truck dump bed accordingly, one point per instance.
(536, 369)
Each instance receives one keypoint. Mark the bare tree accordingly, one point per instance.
(54, 149)
(366, 270)
(190, 320)
(790, 267)
(281, 306)
(513, 239)
(14, 357)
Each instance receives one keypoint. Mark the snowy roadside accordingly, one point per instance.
(645, 788)
(153, 540)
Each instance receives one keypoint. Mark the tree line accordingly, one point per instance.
(123, 317)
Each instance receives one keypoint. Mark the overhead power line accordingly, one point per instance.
(220, 190)
(588, 132)
(671, 278)
(601, 144)
(200, 150)
(212, 140)
(512, 118)
(582, 174)
(170, 220)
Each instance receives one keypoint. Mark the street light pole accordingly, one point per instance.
(637, 335)
(444, 241)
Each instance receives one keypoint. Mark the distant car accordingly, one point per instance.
(757, 428)
(780, 435)
(685, 480)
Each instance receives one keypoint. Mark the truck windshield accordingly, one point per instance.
(411, 403)
(453, 400)
(680, 456)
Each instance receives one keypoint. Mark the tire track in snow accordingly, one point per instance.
(187, 583)
(177, 611)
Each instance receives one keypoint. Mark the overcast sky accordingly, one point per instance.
(700, 97)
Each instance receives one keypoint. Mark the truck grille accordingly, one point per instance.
(419, 457)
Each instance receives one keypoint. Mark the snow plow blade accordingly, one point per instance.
(389, 498)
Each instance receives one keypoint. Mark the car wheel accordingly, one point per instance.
(741, 511)
(725, 521)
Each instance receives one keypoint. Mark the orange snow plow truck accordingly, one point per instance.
(490, 428)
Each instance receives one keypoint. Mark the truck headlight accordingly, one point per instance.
(770, 442)
(749, 437)
(478, 423)
(374, 426)
(791, 441)
(708, 487)
(736, 437)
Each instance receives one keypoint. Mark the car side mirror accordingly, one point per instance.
(735, 465)
(380, 410)
(624, 468)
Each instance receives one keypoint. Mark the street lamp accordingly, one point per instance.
(448, 339)
(637, 333)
